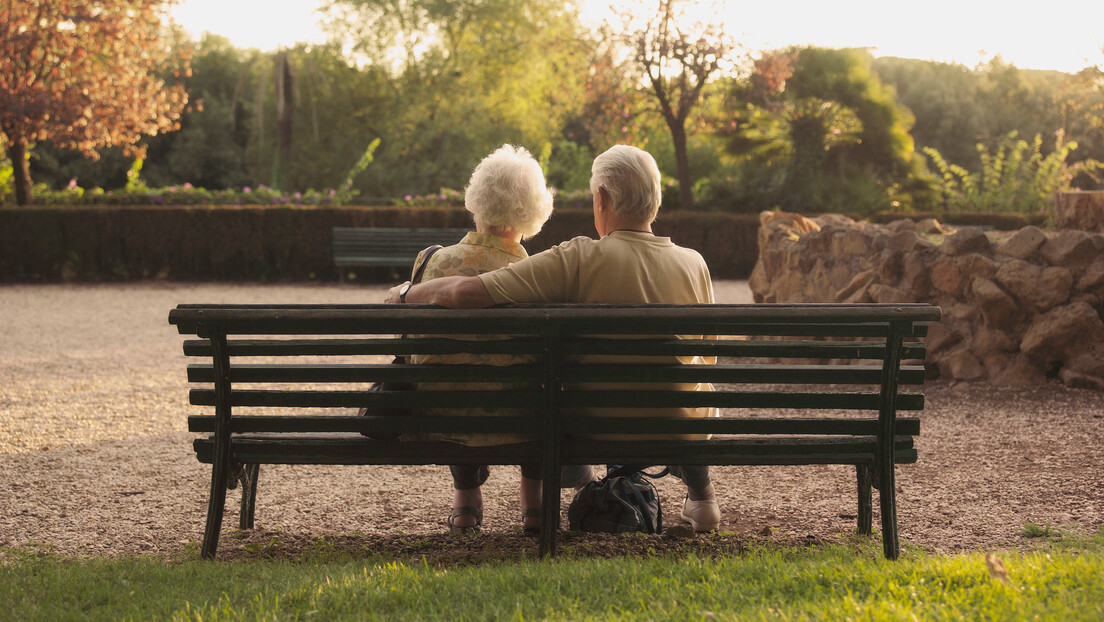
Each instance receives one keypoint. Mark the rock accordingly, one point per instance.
(1013, 370)
(940, 337)
(975, 264)
(1023, 243)
(961, 365)
(931, 225)
(856, 289)
(997, 308)
(835, 220)
(1090, 363)
(946, 277)
(988, 341)
(889, 265)
(887, 294)
(818, 241)
(796, 222)
(1062, 333)
(916, 275)
(1072, 249)
(904, 224)
(851, 242)
(758, 282)
(968, 240)
(1092, 278)
(1079, 210)
(1041, 288)
(903, 241)
(1080, 381)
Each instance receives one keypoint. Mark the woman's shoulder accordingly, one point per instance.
(465, 260)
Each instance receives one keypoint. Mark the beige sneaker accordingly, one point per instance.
(702, 515)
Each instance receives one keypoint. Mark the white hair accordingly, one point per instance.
(631, 178)
(507, 191)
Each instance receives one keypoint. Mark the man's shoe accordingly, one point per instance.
(702, 515)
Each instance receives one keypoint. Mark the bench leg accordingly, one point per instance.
(887, 498)
(550, 509)
(249, 496)
(866, 502)
(215, 506)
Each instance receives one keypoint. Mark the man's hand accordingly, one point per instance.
(393, 293)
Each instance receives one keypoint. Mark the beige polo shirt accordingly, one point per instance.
(622, 267)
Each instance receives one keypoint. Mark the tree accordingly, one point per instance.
(84, 74)
(678, 59)
(463, 77)
(836, 133)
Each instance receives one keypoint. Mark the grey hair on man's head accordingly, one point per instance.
(507, 191)
(631, 178)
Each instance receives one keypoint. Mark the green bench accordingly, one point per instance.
(797, 385)
(384, 247)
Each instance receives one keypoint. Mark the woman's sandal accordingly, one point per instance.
(530, 530)
(467, 510)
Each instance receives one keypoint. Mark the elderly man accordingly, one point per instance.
(627, 264)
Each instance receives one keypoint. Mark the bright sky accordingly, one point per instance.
(1066, 35)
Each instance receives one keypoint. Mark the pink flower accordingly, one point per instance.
(187, 186)
(408, 198)
(247, 189)
(72, 183)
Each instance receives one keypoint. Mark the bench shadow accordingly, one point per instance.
(457, 550)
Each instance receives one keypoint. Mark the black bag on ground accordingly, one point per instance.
(621, 502)
(384, 411)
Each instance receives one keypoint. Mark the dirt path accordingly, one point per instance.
(95, 458)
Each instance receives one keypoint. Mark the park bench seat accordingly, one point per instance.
(796, 385)
(386, 247)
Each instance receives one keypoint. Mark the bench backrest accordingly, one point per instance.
(388, 246)
(785, 369)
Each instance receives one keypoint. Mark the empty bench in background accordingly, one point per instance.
(797, 385)
(385, 247)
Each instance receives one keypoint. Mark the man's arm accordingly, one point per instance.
(454, 292)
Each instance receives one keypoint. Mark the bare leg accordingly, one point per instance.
(466, 497)
(531, 490)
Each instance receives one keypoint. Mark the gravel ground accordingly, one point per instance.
(96, 458)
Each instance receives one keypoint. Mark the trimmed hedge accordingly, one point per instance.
(280, 243)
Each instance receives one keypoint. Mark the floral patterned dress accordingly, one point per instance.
(475, 254)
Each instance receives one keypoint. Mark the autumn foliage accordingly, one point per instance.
(85, 74)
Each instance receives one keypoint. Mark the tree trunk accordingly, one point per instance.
(21, 171)
(284, 105)
(682, 165)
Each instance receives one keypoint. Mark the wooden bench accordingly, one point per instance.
(382, 247)
(797, 385)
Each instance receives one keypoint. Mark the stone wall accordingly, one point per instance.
(1018, 307)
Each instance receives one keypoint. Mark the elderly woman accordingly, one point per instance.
(628, 264)
(509, 202)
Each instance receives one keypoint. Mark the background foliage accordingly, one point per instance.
(441, 83)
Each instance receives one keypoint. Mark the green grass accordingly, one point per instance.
(1062, 579)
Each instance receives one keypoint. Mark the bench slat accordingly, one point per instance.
(571, 425)
(366, 373)
(638, 373)
(738, 399)
(641, 347)
(357, 399)
(740, 349)
(571, 399)
(736, 374)
(357, 449)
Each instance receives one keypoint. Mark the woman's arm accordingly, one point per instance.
(454, 292)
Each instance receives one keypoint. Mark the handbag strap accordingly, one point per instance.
(618, 470)
(421, 266)
(419, 269)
